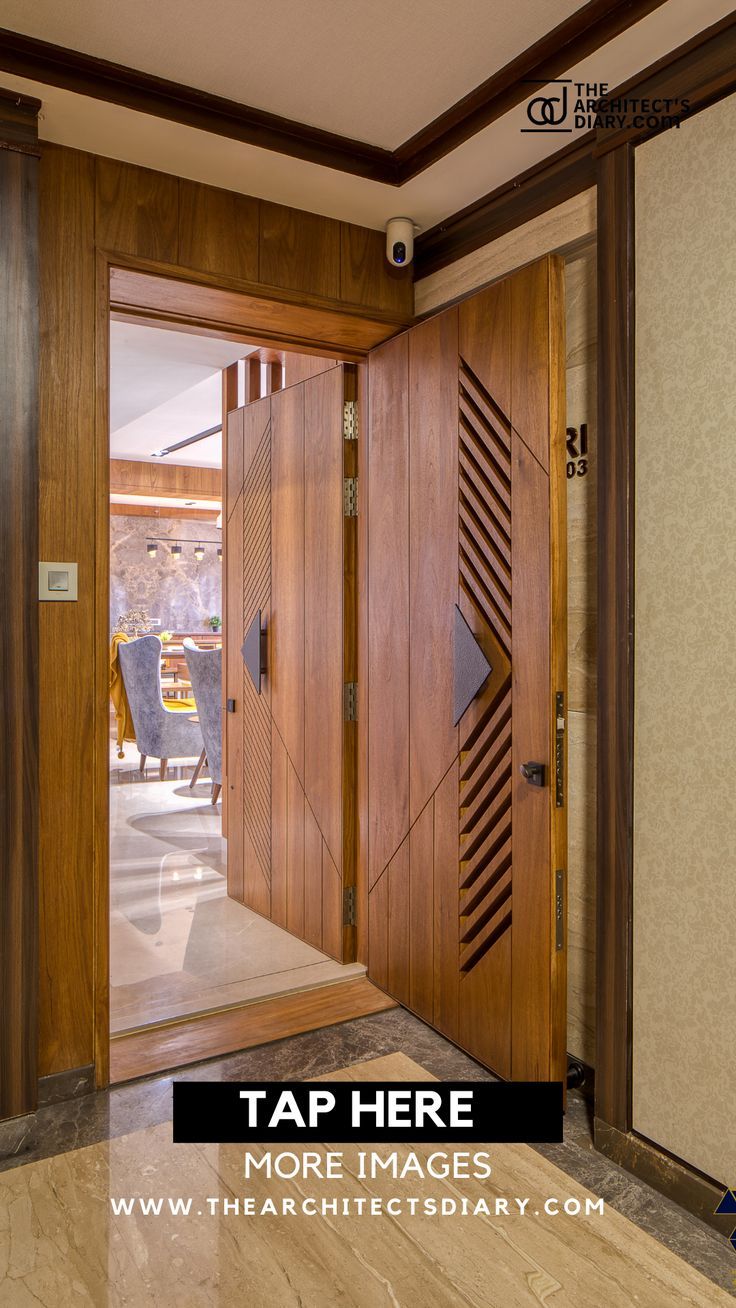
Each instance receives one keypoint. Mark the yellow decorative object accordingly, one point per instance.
(123, 718)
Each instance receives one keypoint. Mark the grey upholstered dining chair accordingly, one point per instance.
(205, 674)
(160, 732)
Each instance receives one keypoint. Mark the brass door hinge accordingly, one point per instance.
(350, 701)
(350, 420)
(350, 497)
(559, 749)
(559, 909)
(348, 906)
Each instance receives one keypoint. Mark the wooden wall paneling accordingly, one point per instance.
(532, 875)
(286, 641)
(218, 231)
(312, 878)
(400, 925)
(154, 511)
(530, 378)
(299, 250)
(446, 947)
(168, 480)
(228, 492)
(70, 497)
(366, 277)
(256, 417)
(19, 642)
(234, 632)
(294, 853)
(350, 669)
(433, 559)
(279, 828)
(421, 912)
(332, 924)
(253, 389)
(615, 635)
(323, 605)
(136, 211)
(387, 672)
(233, 463)
(485, 1014)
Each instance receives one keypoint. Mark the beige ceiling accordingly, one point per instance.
(486, 161)
(375, 70)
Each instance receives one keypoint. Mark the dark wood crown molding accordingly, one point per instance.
(590, 27)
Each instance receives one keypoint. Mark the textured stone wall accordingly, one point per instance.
(181, 593)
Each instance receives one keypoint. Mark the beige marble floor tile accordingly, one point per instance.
(61, 1245)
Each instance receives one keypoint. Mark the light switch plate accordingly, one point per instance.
(57, 581)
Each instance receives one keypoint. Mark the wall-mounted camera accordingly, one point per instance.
(399, 241)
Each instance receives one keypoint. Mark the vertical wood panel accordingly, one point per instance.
(218, 231)
(388, 602)
(19, 814)
(485, 340)
(399, 924)
(446, 943)
(530, 376)
(361, 787)
(294, 853)
(234, 459)
(68, 506)
(615, 634)
(366, 277)
(287, 596)
(136, 211)
(530, 670)
(312, 879)
(279, 828)
(234, 673)
(433, 556)
(378, 932)
(323, 604)
(421, 900)
(331, 906)
(299, 250)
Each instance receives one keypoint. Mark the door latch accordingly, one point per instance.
(533, 773)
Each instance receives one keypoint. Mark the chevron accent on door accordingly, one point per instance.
(484, 453)
(257, 597)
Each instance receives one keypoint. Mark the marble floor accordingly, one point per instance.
(63, 1243)
(130, 1124)
(178, 944)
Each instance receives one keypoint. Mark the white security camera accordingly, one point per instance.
(399, 241)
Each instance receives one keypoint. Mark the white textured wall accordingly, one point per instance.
(685, 638)
(183, 593)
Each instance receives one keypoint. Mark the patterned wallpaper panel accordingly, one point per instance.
(182, 593)
(685, 731)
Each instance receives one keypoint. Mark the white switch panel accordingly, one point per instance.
(57, 581)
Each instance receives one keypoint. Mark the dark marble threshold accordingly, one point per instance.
(113, 1113)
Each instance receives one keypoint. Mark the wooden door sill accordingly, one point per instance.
(213, 1035)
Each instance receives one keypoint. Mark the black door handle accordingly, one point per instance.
(533, 773)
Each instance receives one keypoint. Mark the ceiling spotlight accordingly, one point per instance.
(176, 551)
(199, 553)
(152, 549)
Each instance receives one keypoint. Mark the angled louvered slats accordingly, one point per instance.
(484, 561)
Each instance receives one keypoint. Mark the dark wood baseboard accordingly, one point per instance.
(57, 1087)
(698, 1194)
(162, 1048)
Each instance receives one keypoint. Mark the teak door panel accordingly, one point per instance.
(290, 822)
(466, 474)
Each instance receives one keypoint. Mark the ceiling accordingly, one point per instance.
(374, 71)
(342, 65)
(165, 386)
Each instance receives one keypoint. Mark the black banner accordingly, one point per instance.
(367, 1112)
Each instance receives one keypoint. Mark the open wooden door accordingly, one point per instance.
(290, 614)
(465, 766)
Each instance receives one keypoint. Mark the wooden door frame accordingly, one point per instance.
(285, 320)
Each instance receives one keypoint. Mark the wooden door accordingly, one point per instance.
(291, 751)
(466, 569)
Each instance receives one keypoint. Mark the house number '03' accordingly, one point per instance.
(577, 451)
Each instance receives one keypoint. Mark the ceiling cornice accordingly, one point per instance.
(581, 34)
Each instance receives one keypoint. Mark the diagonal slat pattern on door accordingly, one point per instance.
(257, 595)
(484, 521)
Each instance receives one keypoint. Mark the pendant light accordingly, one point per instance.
(152, 549)
(176, 551)
(199, 553)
